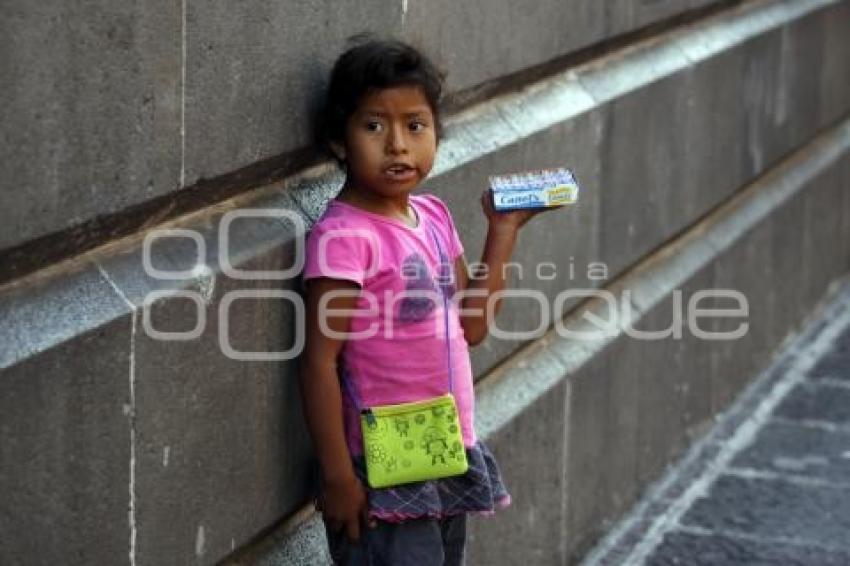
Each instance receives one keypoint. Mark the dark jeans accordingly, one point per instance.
(419, 542)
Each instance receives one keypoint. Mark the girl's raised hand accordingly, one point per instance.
(514, 219)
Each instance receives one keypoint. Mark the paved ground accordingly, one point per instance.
(770, 485)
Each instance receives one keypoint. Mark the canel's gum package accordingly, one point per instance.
(533, 189)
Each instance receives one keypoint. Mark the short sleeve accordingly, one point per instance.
(455, 245)
(337, 251)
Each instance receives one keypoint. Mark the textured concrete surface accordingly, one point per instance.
(633, 410)
(785, 446)
(734, 128)
(821, 402)
(766, 508)
(787, 259)
(830, 104)
(52, 310)
(90, 111)
(66, 453)
(65, 458)
(786, 96)
(486, 55)
(697, 550)
(743, 268)
(118, 105)
(603, 446)
(254, 467)
(844, 180)
(767, 485)
(636, 211)
(531, 529)
(472, 59)
(820, 227)
(674, 383)
(832, 365)
(161, 411)
(254, 71)
(306, 546)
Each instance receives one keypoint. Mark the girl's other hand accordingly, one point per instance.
(344, 505)
(513, 219)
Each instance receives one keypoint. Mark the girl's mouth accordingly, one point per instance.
(400, 172)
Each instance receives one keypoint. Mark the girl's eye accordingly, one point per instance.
(373, 126)
(417, 126)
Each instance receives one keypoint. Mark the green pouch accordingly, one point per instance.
(412, 442)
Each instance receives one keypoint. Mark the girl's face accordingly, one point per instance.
(390, 142)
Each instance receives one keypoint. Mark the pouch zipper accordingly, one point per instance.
(403, 407)
(370, 416)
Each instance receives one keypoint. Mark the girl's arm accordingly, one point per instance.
(343, 501)
(502, 231)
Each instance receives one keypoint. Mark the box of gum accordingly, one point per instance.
(533, 189)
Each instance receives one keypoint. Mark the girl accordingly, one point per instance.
(372, 337)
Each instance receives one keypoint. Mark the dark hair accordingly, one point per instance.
(376, 64)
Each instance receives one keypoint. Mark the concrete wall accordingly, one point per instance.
(110, 104)
(167, 452)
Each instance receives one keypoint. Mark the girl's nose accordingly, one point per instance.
(395, 139)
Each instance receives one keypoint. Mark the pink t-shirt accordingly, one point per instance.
(396, 348)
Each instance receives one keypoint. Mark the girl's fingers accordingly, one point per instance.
(364, 514)
(352, 529)
(483, 200)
